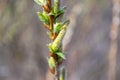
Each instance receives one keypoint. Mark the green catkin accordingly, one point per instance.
(58, 40)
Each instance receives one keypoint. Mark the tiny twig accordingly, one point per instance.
(51, 24)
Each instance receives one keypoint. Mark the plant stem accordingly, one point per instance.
(56, 31)
(51, 25)
(53, 38)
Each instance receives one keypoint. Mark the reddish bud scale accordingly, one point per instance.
(55, 35)
(53, 55)
(52, 70)
(47, 8)
(46, 26)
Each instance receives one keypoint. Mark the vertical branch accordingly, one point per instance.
(56, 31)
(114, 40)
(51, 18)
(51, 25)
(56, 9)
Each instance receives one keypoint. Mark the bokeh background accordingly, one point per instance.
(23, 40)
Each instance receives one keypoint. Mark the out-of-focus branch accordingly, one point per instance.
(114, 40)
(75, 12)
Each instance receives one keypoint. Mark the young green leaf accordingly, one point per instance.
(40, 2)
(51, 62)
(57, 27)
(60, 54)
(61, 11)
(43, 17)
(52, 12)
(59, 15)
(66, 22)
(50, 47)
(46, 15)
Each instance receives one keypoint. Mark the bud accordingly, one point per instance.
(51, 62)
(57, 5)
(52, 70)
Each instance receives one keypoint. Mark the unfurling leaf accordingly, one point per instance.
(46, 15)
(51, 62)
(40, 2)
(50, 47)
(43, 17)
(59, 15)
(60, 12)
(66, 22)
(60, 54)
(57, 27)
(52, 12)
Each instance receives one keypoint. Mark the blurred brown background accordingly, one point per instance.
(23, 39)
